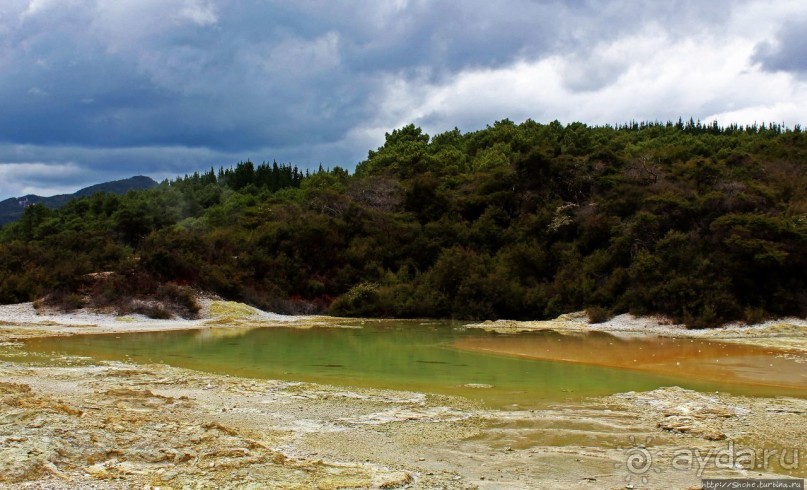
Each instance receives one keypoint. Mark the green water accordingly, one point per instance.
(386, 354)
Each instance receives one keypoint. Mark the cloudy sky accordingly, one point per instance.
(95, 90)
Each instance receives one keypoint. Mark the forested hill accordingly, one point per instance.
(703, 223)
(12, 209)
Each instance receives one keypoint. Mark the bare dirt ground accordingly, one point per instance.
(119, 425)
(786, 333)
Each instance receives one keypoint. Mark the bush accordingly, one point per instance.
(754, 315)
(361, 300)
(597, 314)
(64, 301)
(179, 299)
(153, 311)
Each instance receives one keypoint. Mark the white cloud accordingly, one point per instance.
(45, 179)
(788, 113)
(36, 7)
(141, 25)
(200, 13)
(296, 56)
(646, 76)
(38, 169)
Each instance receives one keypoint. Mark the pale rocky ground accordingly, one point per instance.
(118, 425)
(785, 333)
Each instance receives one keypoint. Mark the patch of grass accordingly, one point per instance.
(231, 309)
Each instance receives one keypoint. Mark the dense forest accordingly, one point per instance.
(703, 223)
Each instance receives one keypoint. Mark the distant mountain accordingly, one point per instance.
(12, 209)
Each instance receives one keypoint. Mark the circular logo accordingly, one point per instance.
(638, 462)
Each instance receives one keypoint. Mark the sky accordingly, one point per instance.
(98, 90)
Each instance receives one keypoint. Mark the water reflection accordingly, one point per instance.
(691, 358)
(215, 334)
(515, 370)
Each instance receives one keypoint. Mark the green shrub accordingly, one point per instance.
(361, 300)
(64, 300)
(597, 314)
(180, 299)
(753, 315)
(153, 311)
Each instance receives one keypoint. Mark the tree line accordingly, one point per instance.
(702, 223)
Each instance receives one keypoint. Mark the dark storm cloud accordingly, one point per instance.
(116, 87)
(251, 74)
(788, 52)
